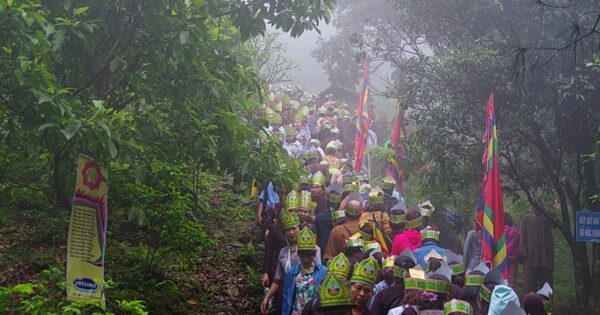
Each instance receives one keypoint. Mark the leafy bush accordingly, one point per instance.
(45, 296)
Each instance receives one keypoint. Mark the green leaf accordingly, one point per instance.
(71, 130)
(23, 288)
(98, 104)
(80, 10)
(183, 37)
(112, 150)
(46, 126)
(106, 128)
(45, 98)
(9, 2)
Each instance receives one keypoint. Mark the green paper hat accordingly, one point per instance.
(289, 131)
(414, 284)
(375, 199)
(474, 280)
(485, 293)
(426, 212)
(318, 179)
(334, 291)
(298, 117)
(350, 187)
(338, 214)
(437, 286)
(357, 242)
(339, 265)
(278, 107)
(414, 223)
(388, 185)
(347, 180)
(333, 198)
(388, 262)
(295, 104)
(430, 234)
(352, 211)
(276, 119)
(307, 239)
(458, 268)
(305, 199)
(305, 110)
(397, 218)
(426, 209)
(291, 201)
(365, 272)
(288, 219)
(458, 306)
(371, 245)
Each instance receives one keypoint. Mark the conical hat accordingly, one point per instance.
(546, 290)
(305, 199)
(365, 272)
(334, 291)
(307, 239)
(291, 201)
(339, 265)
(288, 219)
(318, 179)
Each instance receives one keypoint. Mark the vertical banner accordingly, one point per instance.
(87, 233)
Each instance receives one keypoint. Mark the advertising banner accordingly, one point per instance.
(87, 233)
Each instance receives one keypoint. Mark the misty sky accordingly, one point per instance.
(310, 74)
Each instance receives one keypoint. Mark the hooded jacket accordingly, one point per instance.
(408, 238)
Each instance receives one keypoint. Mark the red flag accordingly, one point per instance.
(362, 119)
(493, 237)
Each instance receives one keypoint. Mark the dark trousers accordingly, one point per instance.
(535, 277)
(513, 266)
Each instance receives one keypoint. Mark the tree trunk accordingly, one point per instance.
(58, 181)
(581, 269)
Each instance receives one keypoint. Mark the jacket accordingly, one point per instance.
(409, 238)
(289, 285)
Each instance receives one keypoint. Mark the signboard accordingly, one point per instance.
(587, 226)
(87, 233)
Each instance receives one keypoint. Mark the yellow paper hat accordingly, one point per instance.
(318, 179)
(339, 265)
(278, 107)
(305, 199)
(288, 219)
(358, 242)
(298, 117)
(334, 291)
(307, 239)
(365, 272)
(305, 110)
(388, 262)
(291, 201)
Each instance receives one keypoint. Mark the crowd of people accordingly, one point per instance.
(337, 245)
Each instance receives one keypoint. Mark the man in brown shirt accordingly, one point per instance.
(337, 239)
(537, 245)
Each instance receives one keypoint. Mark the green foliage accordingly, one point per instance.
(39, 297)
(247, 255)
(158, 92)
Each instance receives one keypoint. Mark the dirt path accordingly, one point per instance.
(229, 274)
